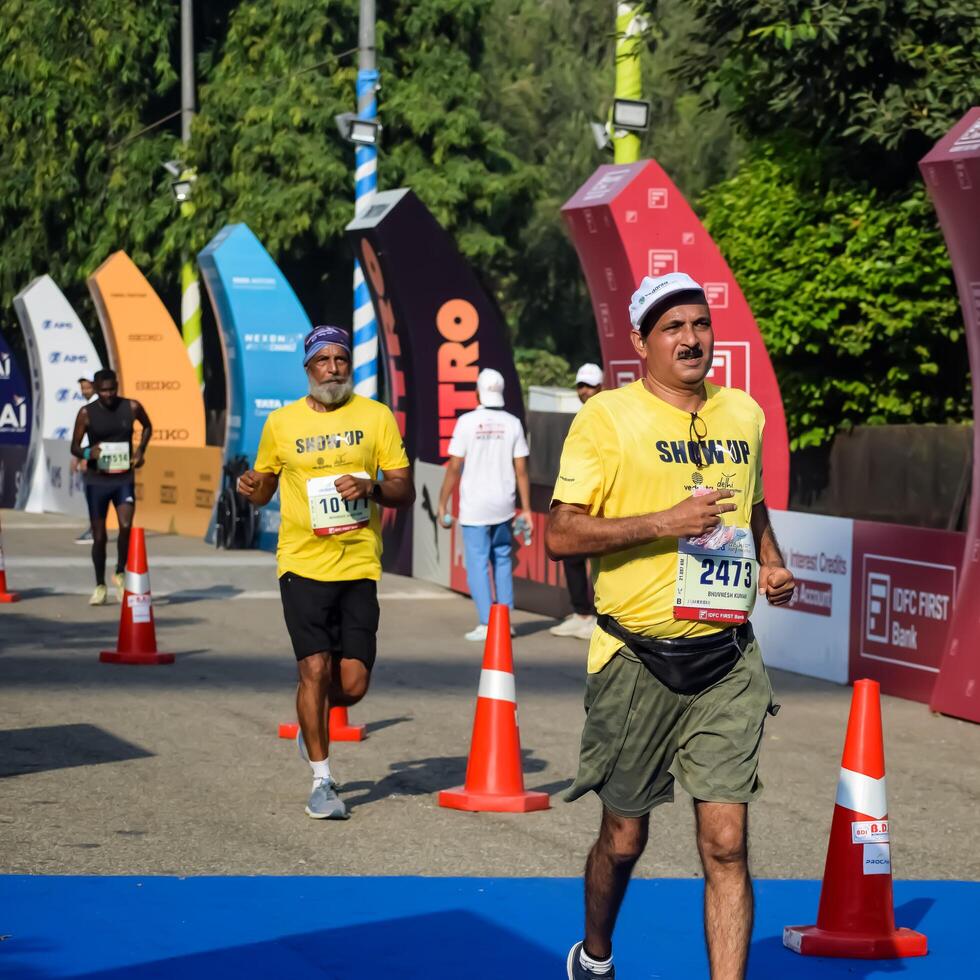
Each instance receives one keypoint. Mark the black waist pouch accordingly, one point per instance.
(689, 665)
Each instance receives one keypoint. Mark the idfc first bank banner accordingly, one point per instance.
(15, 429)
(60, 352)
(262, 326)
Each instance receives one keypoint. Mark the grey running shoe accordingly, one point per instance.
(578, 972)
(305, 756)
(325, 804)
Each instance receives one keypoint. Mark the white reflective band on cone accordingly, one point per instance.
(862, 794)
(497, 684)
(138, 583)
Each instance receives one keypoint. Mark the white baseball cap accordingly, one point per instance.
(652, 292)
(490, 388)
(589, 374)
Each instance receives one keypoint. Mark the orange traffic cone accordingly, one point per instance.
(5, 596)
(856, 917)
(494, 779)
(341, 730)
(137, 643)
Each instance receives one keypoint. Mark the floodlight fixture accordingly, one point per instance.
(174, 167)
(631, 114)
(362, 132)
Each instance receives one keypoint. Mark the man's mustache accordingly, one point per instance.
(689, 353)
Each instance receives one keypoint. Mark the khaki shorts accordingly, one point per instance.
(639, 736)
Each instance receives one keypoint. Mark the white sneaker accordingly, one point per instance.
(99, 596)
(580, 627)
(477, 635)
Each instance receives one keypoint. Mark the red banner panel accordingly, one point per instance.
(630, 221)
(951, 171)
(903, 596)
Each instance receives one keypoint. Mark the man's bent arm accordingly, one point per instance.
(574, 533)
(81, 425)
(396, 489)
(766, 545)
(139, 413)
(266, 485)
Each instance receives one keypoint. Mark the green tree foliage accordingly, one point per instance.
(540, 367)
(853, 295)
(876, 80)
(77, 79)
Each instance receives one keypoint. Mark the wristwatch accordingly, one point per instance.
(375, 493)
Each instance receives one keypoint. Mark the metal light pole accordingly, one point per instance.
(629, 80)
(365, 186)
(190, 288)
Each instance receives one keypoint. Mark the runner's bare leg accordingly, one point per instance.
(311, 704)
(728, 901)
(607, 873)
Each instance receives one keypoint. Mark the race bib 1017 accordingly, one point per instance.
(329, 512)
(716, 576)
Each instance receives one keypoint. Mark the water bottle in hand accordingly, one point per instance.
(522, 529)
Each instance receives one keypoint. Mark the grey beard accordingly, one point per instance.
(331, 393)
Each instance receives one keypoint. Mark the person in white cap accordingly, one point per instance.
(581, 621)
(662, 480)
(488, 459)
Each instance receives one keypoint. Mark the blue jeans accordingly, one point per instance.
(481, 542)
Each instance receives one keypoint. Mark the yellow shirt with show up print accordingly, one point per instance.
(299, 444)
(628, 453)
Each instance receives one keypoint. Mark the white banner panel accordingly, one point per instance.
(63, 491)
(431, 544)
(812, 635)
(60, 352)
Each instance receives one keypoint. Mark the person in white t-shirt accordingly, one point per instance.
(489, 449)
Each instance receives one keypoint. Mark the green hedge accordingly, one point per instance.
(853, 294)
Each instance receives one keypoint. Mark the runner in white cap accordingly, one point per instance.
(489, 449)
(581, 621)
(662, 480)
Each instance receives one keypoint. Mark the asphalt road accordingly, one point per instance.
(178, 770)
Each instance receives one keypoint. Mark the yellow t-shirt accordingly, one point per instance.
(627, 454)
(299, 443)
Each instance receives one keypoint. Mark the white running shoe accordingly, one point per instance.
(477, 635)
(579, 627)
(99, 596)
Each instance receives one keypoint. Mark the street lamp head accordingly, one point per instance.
(362, 132)
(182, 189)
(174, 168)
(631, 114)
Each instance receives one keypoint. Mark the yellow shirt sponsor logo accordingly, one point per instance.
(630, 453)
(301, 444)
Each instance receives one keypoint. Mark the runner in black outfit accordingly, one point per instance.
(110, 462)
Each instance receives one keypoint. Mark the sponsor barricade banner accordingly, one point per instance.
(439, 328)
(60, 351)
(262, 325)
(147, 352)
(62, 486)
(952, 175)
(628, 221)
(176, 488)
(811, 635)
(16, 423)
(905, 582)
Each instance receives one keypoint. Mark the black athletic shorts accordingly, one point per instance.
(331, 617)
(98, 496)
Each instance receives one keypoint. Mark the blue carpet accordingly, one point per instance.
(472, 928)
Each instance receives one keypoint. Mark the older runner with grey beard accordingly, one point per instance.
(336, 459)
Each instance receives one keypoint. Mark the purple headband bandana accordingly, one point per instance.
(320, 337)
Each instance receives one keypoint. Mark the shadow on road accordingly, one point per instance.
(423, 777)
(28, 750)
